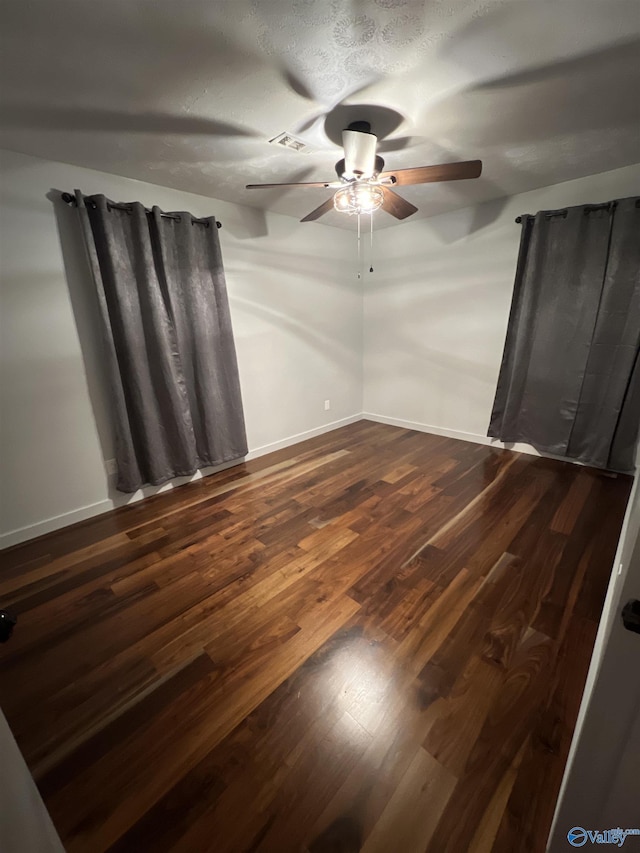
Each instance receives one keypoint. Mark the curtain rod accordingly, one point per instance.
(71, 199)
(563, 211)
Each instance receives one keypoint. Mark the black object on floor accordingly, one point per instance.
(7, 623)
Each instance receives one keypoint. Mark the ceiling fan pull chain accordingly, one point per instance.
(359, 248)
(371, 245)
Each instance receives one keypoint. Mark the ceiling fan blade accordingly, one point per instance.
(396, 205)
(324, 184)
(432, 174)
(319, 211)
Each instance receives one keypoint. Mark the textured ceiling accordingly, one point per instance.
(186, 94)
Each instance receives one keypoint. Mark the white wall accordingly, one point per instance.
(435, 314)
(296, 310)
(24, 821)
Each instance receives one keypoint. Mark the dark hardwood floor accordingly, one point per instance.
(376, 640)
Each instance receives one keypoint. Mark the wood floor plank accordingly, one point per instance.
(484, 839)
(461, 715)
(529, 810)
(412, 814)
(569, 510)
(374, 640)
(505, 729)
(469, 635)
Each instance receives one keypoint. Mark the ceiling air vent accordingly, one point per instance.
(288, 140)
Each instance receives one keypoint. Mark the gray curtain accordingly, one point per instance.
(171, 357)
(569, 380)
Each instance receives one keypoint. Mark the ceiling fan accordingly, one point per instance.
(363, 186)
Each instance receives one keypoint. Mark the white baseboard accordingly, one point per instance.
(48, 525)
(302, 436)
(434, 430)
(465, 436)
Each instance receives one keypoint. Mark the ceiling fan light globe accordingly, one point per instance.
(358, 197)
(340, 201)
(369, 197)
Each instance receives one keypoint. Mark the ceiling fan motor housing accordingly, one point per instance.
(341, 169)
(359, 151)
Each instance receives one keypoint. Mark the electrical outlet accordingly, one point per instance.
(327, 405)
(110, 466)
